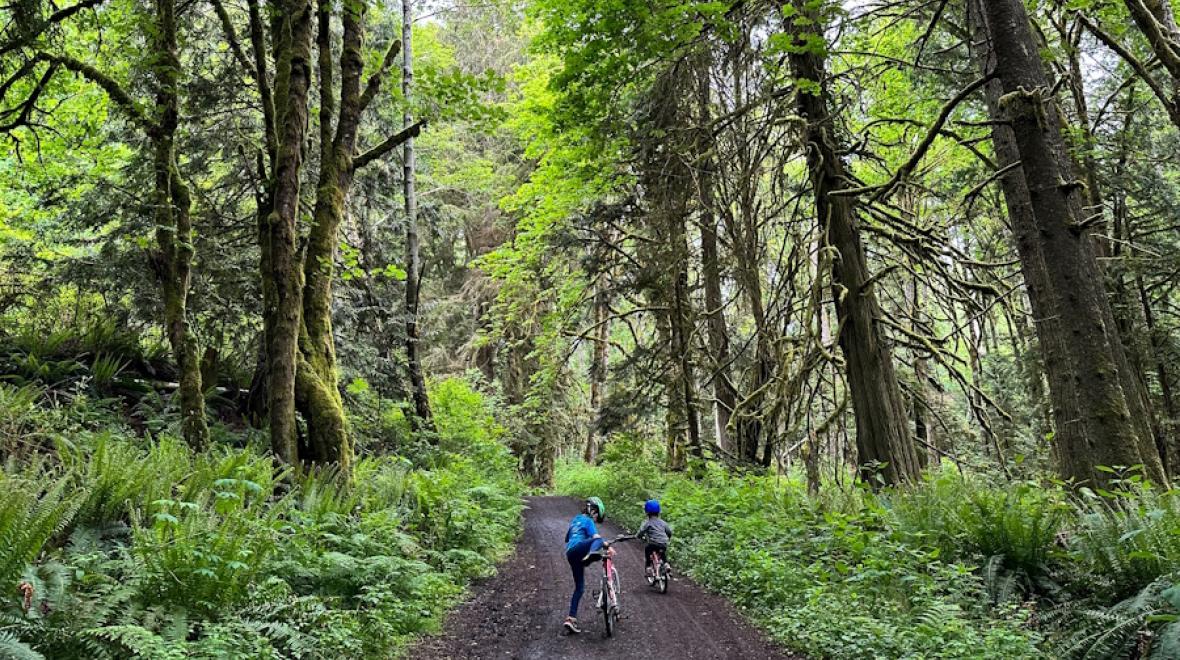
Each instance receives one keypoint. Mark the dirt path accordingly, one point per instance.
(517, 614)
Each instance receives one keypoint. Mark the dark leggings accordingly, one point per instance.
(576, 556)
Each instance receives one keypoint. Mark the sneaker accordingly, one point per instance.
(571, 625)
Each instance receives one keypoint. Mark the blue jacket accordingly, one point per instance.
(581, 528)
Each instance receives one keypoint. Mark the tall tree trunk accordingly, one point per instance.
(724, 392)
(923, 429)
(665, 179)
(258, 404)
(1140, 344)
(174, 231)
(317, 380)
(752, 422)
(1063, 401)
(598, 367)
(284, 277)
(883, 439)
(1131, 323)
(1124, 307)
(421, 418)
(1100, 431)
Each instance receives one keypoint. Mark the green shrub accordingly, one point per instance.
(203, 553)
(1128, 539)
(32, 511)
(829, 576)
(120, 478)
(139, 548)
(1011, 530)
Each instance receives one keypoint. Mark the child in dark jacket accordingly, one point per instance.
(655, 533)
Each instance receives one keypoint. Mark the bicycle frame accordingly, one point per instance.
(610, 578)
(657, 574)
(611, 588)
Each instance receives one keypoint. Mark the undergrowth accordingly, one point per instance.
(955, 567)
(119, 546)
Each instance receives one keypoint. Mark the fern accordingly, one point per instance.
(1099, 633)
(28, 520)
(140, 642)
(12, 648)
(1128, 540)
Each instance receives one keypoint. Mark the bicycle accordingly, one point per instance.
(611, 591)
(660, 574)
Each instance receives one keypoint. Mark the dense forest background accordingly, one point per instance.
(296, 299)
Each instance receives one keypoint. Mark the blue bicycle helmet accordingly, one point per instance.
(651, 507)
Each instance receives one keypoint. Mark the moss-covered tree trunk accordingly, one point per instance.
(317, 382)
(1092, 411)
(174, 231)
(284, 272)
(724, 392)
(665, 179)
(883, 438)
(317, 378)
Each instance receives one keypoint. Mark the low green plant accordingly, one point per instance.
(1011, 530)
(32, 512)
(828, 576)
(135, 547)
(1127, 539)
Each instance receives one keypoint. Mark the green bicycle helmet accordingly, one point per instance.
(597, 504)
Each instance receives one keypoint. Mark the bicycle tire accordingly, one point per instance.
(662, 580)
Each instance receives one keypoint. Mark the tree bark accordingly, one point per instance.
(883, 439)
(174, 231)
(317, 380)
(283, 274)
(598, 367)
(421, 418)
(724, 392)
(1094, 424)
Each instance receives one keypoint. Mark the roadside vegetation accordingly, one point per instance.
(956, 566)
(116, 543)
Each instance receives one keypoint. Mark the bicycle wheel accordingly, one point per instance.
(662, 579)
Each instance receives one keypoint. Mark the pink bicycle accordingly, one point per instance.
(611, 592)
(659, 573)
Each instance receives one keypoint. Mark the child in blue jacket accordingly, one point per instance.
(581, 541)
